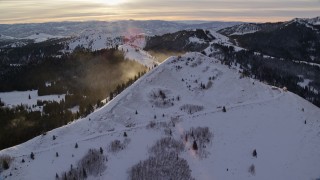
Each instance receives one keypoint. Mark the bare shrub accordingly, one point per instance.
(209, 84)
(151, 124)
(163, 166)
(92, 164)
(116, 145)
(252, 169)
(201, 136)
(164, 163)
(190, 108)
(5, 162)
(160, 98)
(157, 125)
(166, 145)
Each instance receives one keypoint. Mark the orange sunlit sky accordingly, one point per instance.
(34, 11)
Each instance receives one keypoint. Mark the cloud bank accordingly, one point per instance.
(27, 11)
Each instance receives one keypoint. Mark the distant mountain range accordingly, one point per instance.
(298, 39)
(151, 27)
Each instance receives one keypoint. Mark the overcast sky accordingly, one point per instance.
(26, 11)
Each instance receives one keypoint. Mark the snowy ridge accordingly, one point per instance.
(257, 116)
(241, 29)
(311, 21)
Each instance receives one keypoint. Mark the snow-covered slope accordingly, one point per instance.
(15, 98)
(4, 37)
(306, 21)
(94, 40)
(247, 28)
(183, 93)
(314, 21)
(241, 29)
(137, 54)
(40, 37)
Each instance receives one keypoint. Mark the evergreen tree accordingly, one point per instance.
(254, 153)
(32, 156)
(57, 154)
(101, 150)
(195, 146)
(76, 146)
(84, 173)
(5, 164)
(111, 96)
(125, 134)
(224, 109)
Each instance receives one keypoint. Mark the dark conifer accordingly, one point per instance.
(254, 153)
(224, 109)
(32, 155)
(5, 164)
(195, 146)
(84, 173)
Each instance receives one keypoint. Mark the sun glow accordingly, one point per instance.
(111, 2)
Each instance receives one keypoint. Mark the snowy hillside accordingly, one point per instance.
(4, 37)
(241, 29)
(40, 37)
(190, 117)
(15, 98)
(136, 53)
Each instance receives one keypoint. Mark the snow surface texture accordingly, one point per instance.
(281, 126)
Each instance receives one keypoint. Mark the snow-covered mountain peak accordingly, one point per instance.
(312, 21)
(185, 100)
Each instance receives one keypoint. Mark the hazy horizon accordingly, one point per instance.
(37, 11)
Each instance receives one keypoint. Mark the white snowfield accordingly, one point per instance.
(136, 53)
(41, 37)
(16, 98)
(270, 120)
